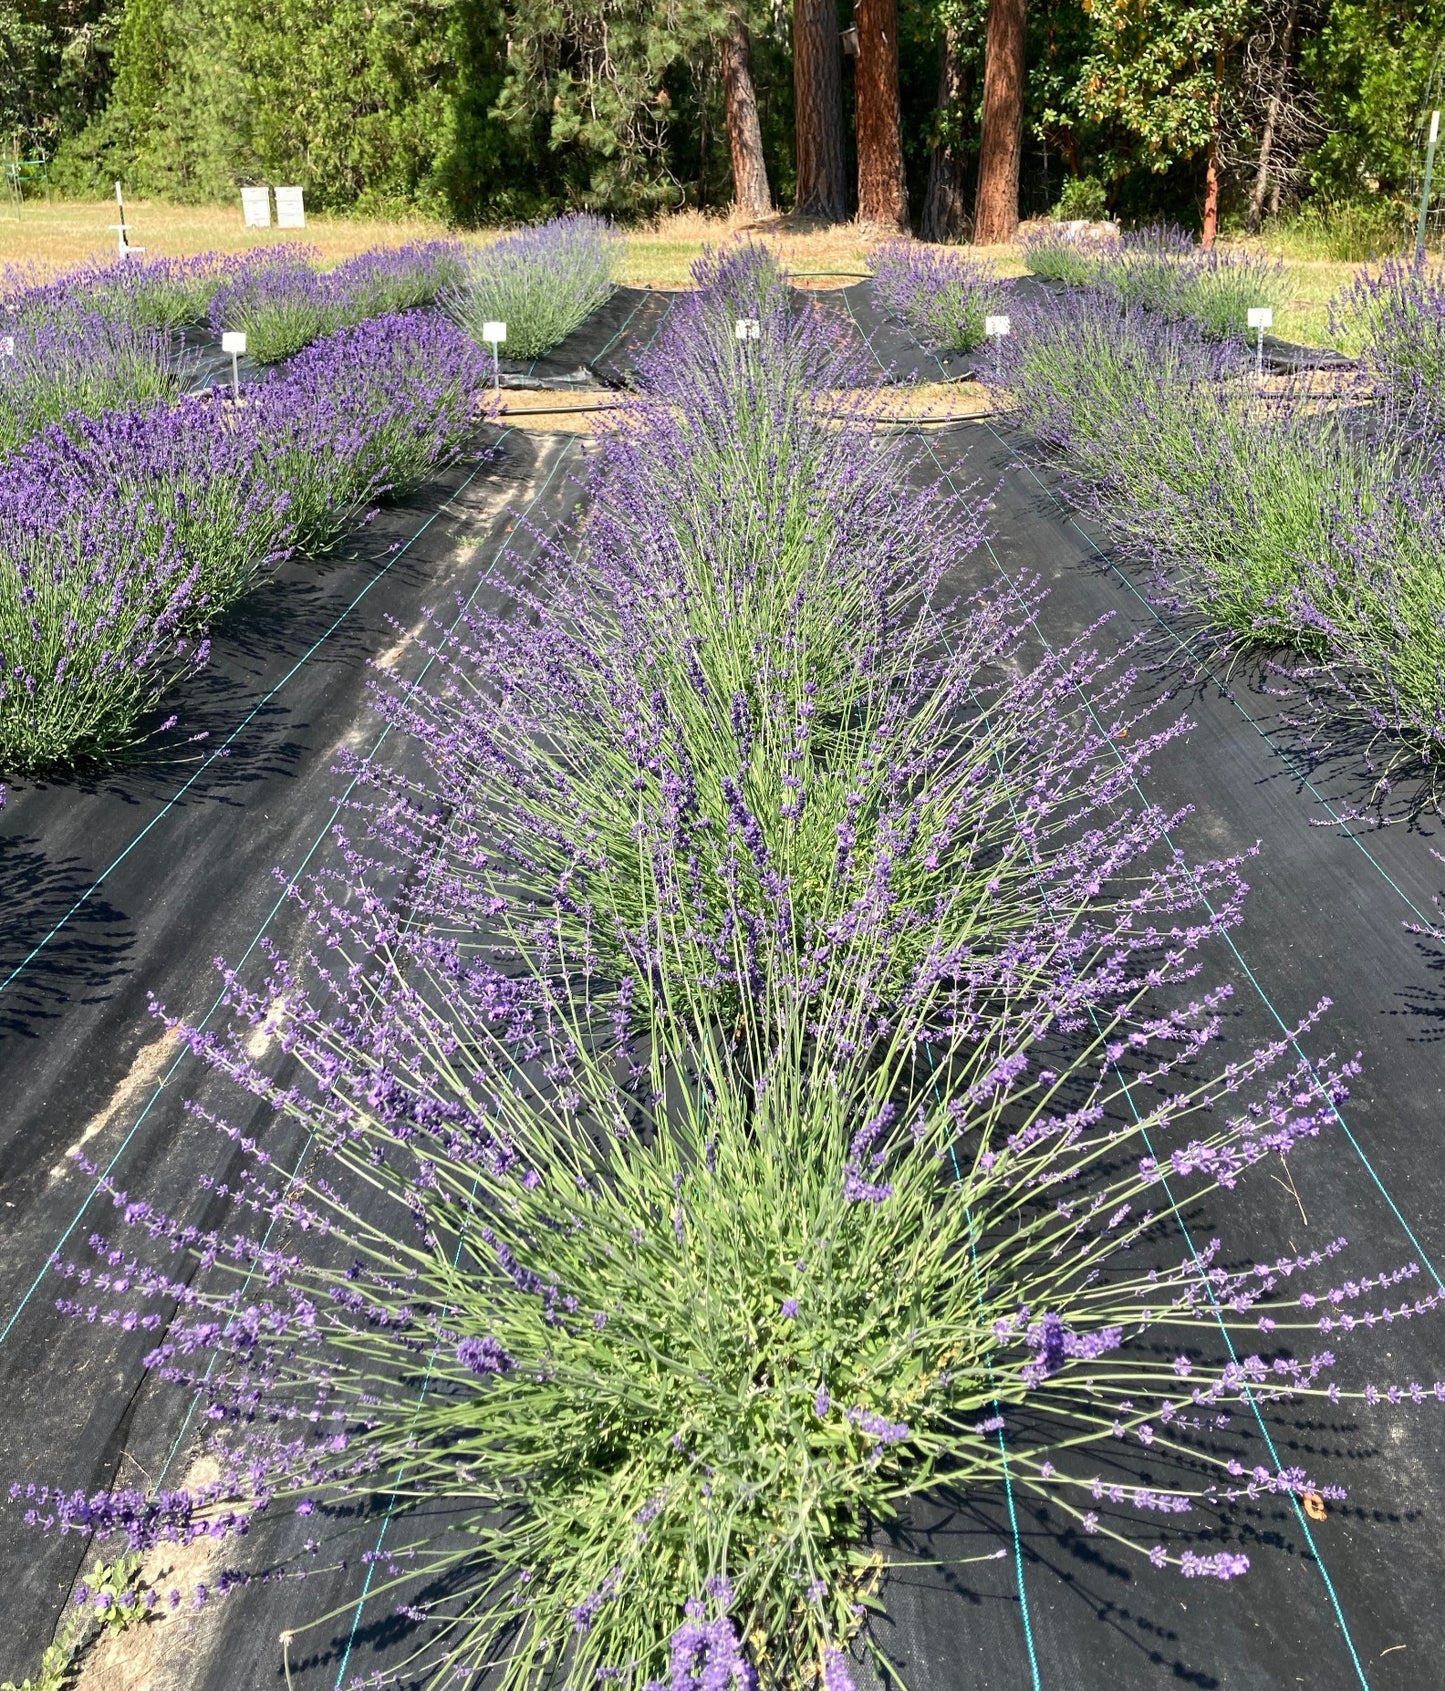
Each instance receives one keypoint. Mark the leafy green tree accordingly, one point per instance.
(1369, 64)
(1161, 70)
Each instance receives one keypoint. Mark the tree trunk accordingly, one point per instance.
(996, 206)
(945, 212)
(1211, 197)
(818, 95)
(751, 196)
(1211, 169)
(882, 188)
(1271, 121)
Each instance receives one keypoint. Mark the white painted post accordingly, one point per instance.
(234, 342)
(1260, 318)
(494, 334)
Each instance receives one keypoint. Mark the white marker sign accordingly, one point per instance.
(494, 334)
(290, 208)
(747, 329)
(7, 346)
(234, 342)
(1260, 317)
(256, 207)
(993, 327)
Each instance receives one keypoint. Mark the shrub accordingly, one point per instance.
(155, 293)
(1084, 199)
(1060, 257)
(1282, 523)
(1396, 315)
(942, 295)
(541, 283)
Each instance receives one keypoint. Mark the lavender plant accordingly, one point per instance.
(1061, 255)
(278, 302)
(541, 283)
(940, 293)
(606, 1332)
(78, 364)
(1396, 316)
(124, 533)
(808, 729)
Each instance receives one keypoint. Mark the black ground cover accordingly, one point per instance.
(133, 881)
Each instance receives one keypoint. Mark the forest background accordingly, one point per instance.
(484, 111)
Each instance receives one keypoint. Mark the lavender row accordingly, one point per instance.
(123, 535)
(1160, 269)
(730, 1140)
(1286, 520)
(943, 295)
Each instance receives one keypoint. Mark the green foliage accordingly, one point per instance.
(541, 283)
(125, 1604)
(1083, 197)
(1157, 68)
(599, 71)
(1369, 64)
(1345, 231)
(54, 67)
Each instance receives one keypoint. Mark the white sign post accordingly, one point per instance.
(1260, 318)
(256, 207)
(494, 334)
(747, 329)
(994, 329)
(234, 342)
(290, 208)
(122, 229)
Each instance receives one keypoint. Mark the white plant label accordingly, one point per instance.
(233, 341)
(995, 327)
(494, 332)
(1260, 317)
(290, 208)
(7, 346)
(747, 329)
(256, 207)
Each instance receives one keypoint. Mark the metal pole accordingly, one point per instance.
(1425, 189)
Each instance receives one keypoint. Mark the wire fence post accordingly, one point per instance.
(1425, 186)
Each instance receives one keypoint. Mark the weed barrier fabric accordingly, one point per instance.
(599, 353)
(1327, 1605)
(192, 875)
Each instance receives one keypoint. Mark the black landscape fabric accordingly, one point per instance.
(185, 873)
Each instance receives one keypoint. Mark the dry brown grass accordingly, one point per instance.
(60, 233)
